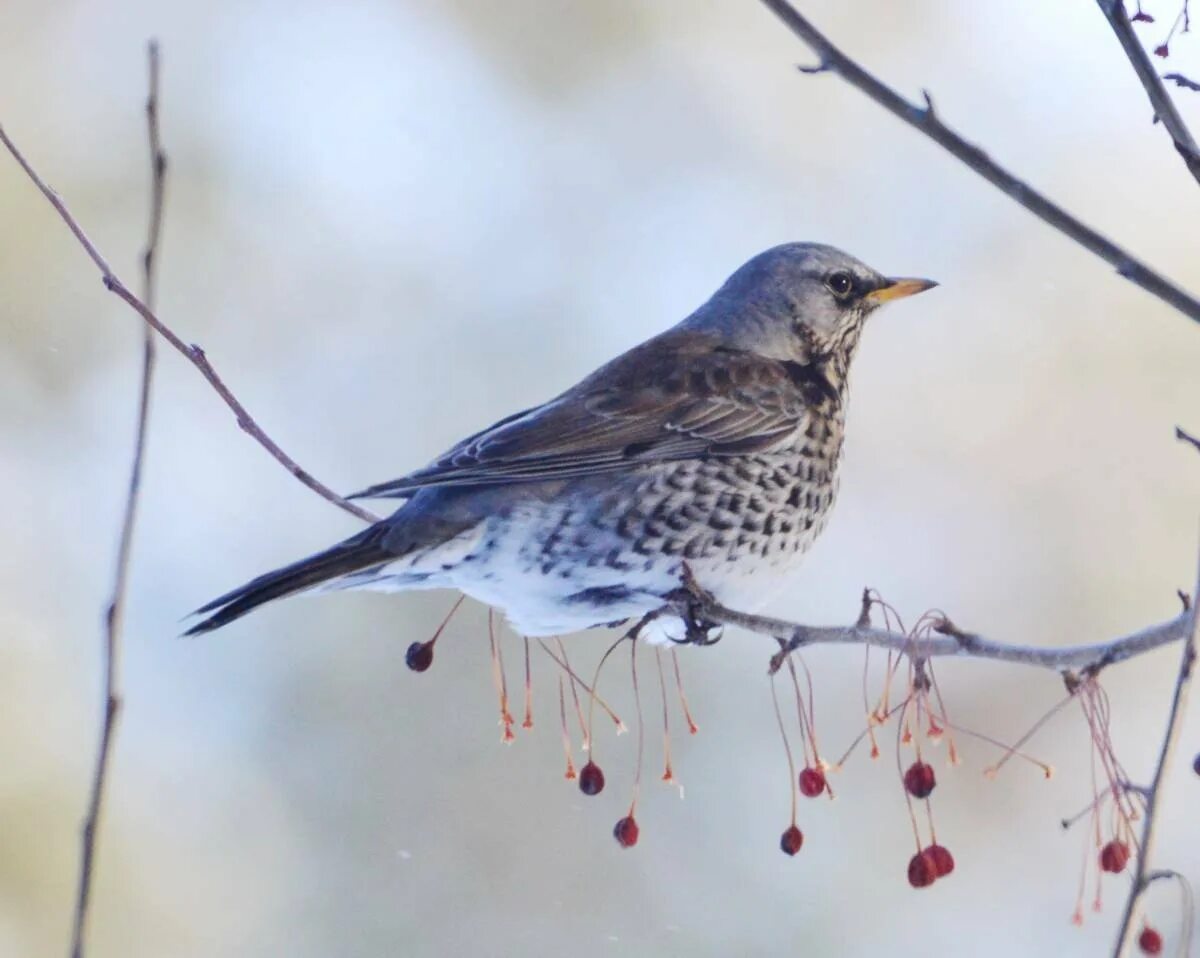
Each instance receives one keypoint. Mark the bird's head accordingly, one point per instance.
(800, 302)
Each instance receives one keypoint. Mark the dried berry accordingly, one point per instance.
(1150, 941)
(419, 656)
(943, 861)
(1142, 17)
(591, 779)
(1162, 51)
(919, 780)
(922, 870)
(626, 832)
(1114, 857)
(812, 782)
(791, 840)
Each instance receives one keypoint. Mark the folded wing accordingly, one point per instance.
(655, 403)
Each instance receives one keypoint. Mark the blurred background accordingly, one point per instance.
(392, 223)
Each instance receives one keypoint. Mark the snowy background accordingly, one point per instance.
(390, 224)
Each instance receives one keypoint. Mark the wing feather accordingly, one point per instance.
(658, 402)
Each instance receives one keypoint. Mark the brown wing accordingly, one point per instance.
(656, 403)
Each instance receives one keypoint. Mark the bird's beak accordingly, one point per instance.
(898, 288)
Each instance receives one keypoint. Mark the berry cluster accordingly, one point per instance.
(921, 722)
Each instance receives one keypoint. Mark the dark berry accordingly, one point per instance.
(419, 656)
(1141, 17)
(919, 780)
(1114, 857)
(812, 782)
(626, 832)
(1162, 51)
(922, 870)
(591, 779)
(1150, 941)
(943, 861)
(791, 840)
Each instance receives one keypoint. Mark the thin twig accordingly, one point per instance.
(1144, 875)
(952, 642)
(193, 353)
(114, 615)
(1184, 436)
(1181, 81)
(922, 117)
(1160, 100)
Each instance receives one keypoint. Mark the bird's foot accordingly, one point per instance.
(701, 632)
(690, 601)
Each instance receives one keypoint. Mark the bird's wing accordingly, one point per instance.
(651, 405)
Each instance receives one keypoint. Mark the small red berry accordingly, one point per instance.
(919, 780)
(943, 861)
(1162, 51)
(1114, 857)
(1150, 941)
(812, 782)
(419, 656)
(626, 832)
(791, 840)
(922, 870)
(591, 779)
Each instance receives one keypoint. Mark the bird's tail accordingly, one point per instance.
(353, 555)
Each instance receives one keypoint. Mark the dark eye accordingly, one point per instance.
(841, 284)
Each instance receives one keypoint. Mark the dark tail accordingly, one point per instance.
(360, 552)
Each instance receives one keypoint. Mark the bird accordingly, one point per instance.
(709, 451)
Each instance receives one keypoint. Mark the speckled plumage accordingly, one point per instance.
(715, 443)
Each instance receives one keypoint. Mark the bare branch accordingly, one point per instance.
(114, 615)
(1144, 875)
(952, 642)
(1160, 100)
(1184, 436)
(1180, 80)
(923, 119)
(193, 353)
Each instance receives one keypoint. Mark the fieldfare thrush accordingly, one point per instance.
(712, 448)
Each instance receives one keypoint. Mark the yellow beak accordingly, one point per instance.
(899, 288)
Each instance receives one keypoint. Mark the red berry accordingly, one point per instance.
(943, 861)
(812, 782)
(419, 656)
(1114, 857)
(626, 832)
(591, 779)
(919, 780)
(922, 870)
(1161, 50)
(1150, 941)
(791, 840)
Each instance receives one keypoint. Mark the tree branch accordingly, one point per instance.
(1160, 100)
(1184, 436)
(923, 118)
(192, 353)
(114, 615)
(697, 605)
(1180, 80)
(1144, 876)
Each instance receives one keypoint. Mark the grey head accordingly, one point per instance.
(800, 302)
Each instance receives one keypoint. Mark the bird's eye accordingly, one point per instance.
(841, 284)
